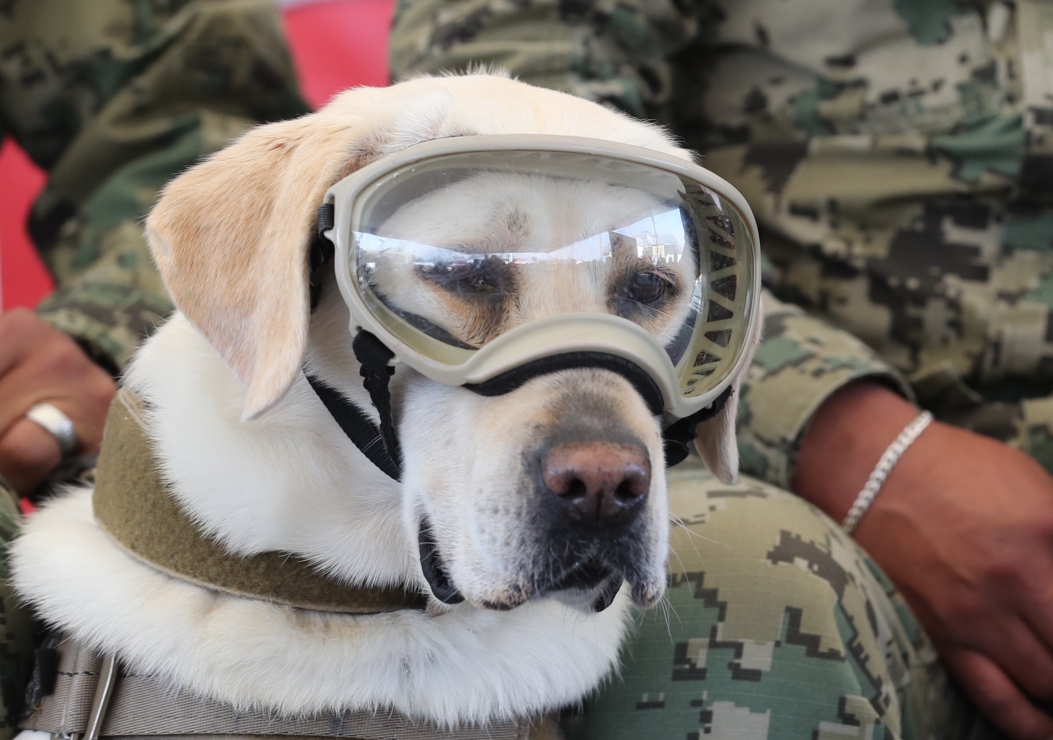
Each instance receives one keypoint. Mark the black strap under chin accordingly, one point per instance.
(359, 428)
(378, 443)
(376, 372)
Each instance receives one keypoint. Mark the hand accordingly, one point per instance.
(39, 363)
(964, 527)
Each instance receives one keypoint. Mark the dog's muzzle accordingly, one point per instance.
(590, 577)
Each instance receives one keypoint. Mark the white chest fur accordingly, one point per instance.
(467, 665)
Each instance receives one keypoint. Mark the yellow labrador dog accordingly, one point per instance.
(528, 521)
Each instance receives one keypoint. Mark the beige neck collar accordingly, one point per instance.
(133, 505)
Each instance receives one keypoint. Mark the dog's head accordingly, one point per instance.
(556, 487)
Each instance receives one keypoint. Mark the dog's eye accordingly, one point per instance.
(647, 287)
(481, 277)
(641, 293)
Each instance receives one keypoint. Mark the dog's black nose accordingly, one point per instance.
(598, 482)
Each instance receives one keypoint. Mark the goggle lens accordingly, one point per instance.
(452, 252)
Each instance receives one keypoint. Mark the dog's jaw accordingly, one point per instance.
(589, 587)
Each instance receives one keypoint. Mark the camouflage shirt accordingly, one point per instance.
(897, 154)
(113, 98)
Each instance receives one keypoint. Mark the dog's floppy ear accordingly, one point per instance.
(230, 236)
(715, 438)
(716, 443)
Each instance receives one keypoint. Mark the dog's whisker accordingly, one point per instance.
(687, 527)
(666, 605)
(694, 544)
(680, 560)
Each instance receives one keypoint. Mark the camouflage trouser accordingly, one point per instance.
(776, 626)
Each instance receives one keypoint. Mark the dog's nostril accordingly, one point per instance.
(599, 481)
(575, 489)
(635, 485)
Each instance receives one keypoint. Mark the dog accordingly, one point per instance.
(259, 465)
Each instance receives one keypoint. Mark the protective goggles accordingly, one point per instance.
(482, 261)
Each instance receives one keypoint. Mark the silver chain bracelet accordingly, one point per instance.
(881, 471)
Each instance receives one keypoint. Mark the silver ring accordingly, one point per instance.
(57, 423)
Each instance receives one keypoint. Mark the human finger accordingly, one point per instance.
(21, 387)
(1037, 612)
(997, 697)
(58, 372)
(28, 454)
(17, 329)
(1025, 659)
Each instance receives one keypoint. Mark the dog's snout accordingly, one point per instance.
(598, 482)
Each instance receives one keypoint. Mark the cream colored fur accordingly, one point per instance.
(260, 465)
(468, 664)
(292, 481)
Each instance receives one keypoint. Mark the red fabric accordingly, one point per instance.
(23, 279)
(335, 45)
(339, 44)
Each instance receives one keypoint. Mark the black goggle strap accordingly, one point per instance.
(320, 253)
(378, 443)
(681, 433)
(359, 428)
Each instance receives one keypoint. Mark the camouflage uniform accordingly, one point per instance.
(776, 626)
(113, 98)
(901, 170)
(899, 157)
